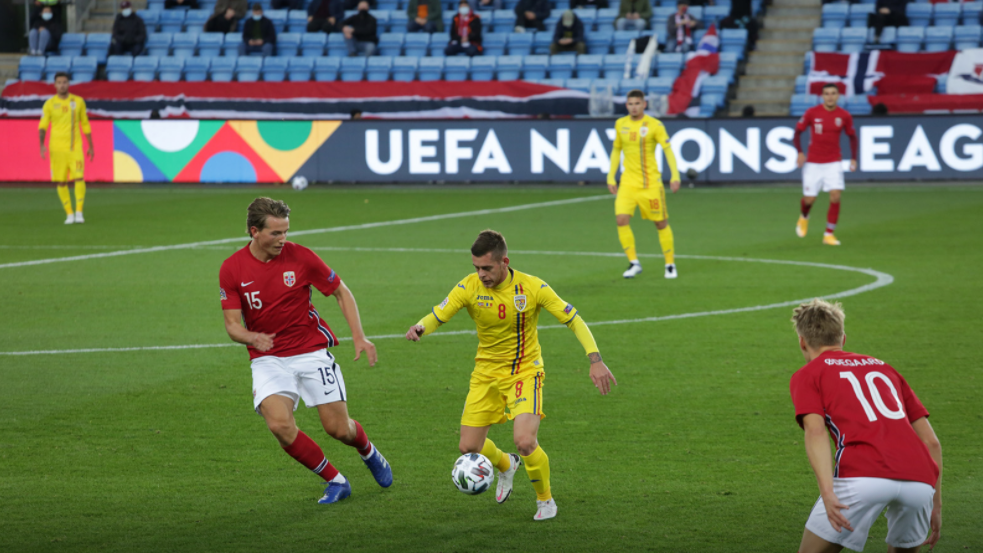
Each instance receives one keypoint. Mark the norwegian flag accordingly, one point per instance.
(890, 72)
(705, 61)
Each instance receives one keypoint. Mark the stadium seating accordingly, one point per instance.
(589, 66)
(223, 69)
(494, 44)
(275, 69)
(300, 69)
(312, 44)
(541, 43)
(509, 68)
(336, 45)
(416, 44)
(117, 68)
(918, 14)
(614, 66)
(825, 39)
(670, 65)
(938, 39)
(534, 67)
(145, 68)
(910, 38)
(210, 44)
(967, 36)
(562, 67)
(159, 44)
(391, 44)
(71, 44)
(581, 85)
(378, 68)
(802, 102)
(520, 44)
(404, 68)
(196, 69)
(297, 21)
(84, 69)
(659, 85)
(171, 21)
(287, 45)
(852, 39)
(97, 45)
(170, 69)
(430, 69)
(483, 68)
(457, 68)
(184, 44)
(326, 69)
(834, 15)
(599, 43)
(56, 64)
(248, 68)
(626, 85)
(194, 21)
(859, 14)
(230, 46)
(30, 68)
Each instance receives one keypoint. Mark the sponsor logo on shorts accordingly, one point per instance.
(289, 278)
(520, 301)
(520, 400)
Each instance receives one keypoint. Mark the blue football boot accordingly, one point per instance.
(335, 492)
(380, 468)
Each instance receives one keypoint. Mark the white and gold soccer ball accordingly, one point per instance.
(473, 473)
(299, 182)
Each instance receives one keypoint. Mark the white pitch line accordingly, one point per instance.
(882, 279)
(363, 226)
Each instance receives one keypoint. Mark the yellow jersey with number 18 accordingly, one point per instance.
(67, 117)
(638, 139)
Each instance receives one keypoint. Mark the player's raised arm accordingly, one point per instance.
(349, 309)
(663, 137)
(440, 313)
(600, 375)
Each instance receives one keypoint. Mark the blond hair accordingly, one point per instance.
(819, 322)
(260, 209)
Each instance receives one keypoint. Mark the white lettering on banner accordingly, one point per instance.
(973, 152)
(750, 153)
(593, 156)
(395, 152)
(919, 153)
(540, 147)
(417, 152)
(870, 148)
(779, 143)
(453, 152)
(491, 156)
(703, 140)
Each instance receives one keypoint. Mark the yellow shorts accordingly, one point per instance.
(67, 166)
(651, 201)
(491, 394)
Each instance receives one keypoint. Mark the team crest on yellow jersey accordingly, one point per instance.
(289, 278)
(644, 131)
(520, 302)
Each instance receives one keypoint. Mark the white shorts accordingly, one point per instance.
(314, 376)
(822, 177)
(909, 509)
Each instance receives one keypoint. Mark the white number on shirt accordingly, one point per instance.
(818, 128)
(253, 299)
(875, 395)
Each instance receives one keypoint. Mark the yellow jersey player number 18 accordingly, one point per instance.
(66, 115)
(637, 135)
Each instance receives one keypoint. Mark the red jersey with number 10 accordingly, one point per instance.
(825, 127)
(275, 298)
(868, 409)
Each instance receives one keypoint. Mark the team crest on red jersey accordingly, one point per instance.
(289, 278)
(839, 122)
(520, 302)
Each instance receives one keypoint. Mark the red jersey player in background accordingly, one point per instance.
(267, 284)
(887, 455)
(823, 169)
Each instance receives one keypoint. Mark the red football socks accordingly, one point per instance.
(309, 454)
(832, 216)
(361, 442)
(805, 209)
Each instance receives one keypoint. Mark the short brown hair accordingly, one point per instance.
(636, 94)
(61, 74)
(819, 322)
(261, 208)
(490, 241)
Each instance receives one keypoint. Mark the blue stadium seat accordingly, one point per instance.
(448, 18)
(457, 68)
(483, 68)
(97, 45)
(614, 66)
(947, 15)
(602, 85)
(714, 85)
(696, 12)
(299, 69)
(391, 44)
(709, 104)
(378, 68)
(171, 21)
(659, 17)
(353, 69)
(145, 68)
(852, 39)
(336, 45)
(599, 42)
(938, 39)
(589, 66)
(194, 21)
(431, 69)
(534, 67)
(622, 39)
(669, 65)
(587, 15)
(559, 83)
(155, 5)
(659, 85)
(605, 19)
(910, 38)
(728, 61)
(733, 40)
(834, 15)
(971, 12)
(248, 68)
(801, 102)
(494, 43)
(287, 45)
(398, 21)
(326, 69)
(297, 21)
(210, 44)
(184, 44)
(275, 69)
(888, 36)
(967, 36)
(56, 64)
(562, 67)
(388, 5)
(503, 21)
(859, 13)
(859, 105)
(541, 43)
(713, 14)
(196, 69)
(801, 82)
(416, 44)
(404, 68)
(84, 69)
(118, 68)
(170, 69)
(554, 18)
(151, 18)
(508, 67)
(222, 69)
(382, 20)
(918, 14)
(312, 44)
(159, 44)
(30, 68)
(279, 19)
(520, 44)
(626, 85)
(580, 85)
(71, 44)
(230, 46)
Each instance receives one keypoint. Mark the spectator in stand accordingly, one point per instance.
(360, 32)
(531, 14)
(465, 32)
(599, 4)
(173, 4)
(353, 4)
(887, 13)
(45, 32)
(325, 15)
(679, 29)
(633, 15)
(356, 114)
(569, 35)
(287, 4)
(239, 6)
(740, 17)
(258, 34)
(424, 15)
(222, 22)
(129, 31)
(485, 5)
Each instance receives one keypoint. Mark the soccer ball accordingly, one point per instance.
(473, 473)
(299, 182)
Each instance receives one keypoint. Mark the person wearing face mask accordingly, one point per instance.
(465, 32)
(679, 29)
(129, 31)
(425, 15)
(45, 32)
(360, 32)
(258, 34)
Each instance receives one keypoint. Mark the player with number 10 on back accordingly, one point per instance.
(267, 285)
(887, 455)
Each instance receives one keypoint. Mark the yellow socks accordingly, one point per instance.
(627, 239)
(79, 194)
(501, 461)
(538, 468)
(668, 244)
(65, 197)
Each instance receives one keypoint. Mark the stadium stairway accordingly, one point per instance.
(101, 16)
(769, 78)
(8, 67)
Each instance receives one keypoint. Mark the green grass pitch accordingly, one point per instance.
(696, 449)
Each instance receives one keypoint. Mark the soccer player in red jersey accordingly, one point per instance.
(887, 455)
(823, 169)
(267, 285)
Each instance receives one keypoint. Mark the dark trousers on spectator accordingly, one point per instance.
(880, 20)
(322, 25)
(413, 27)
(134, 49)
(455, 48)
(578, 47)
(523, 23)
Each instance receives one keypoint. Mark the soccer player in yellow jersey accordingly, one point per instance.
(66, 114)
(509, 371)
(641, 184)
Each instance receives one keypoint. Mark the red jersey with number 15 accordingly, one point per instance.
(275, 298)
(868, 409)
(825, 127)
